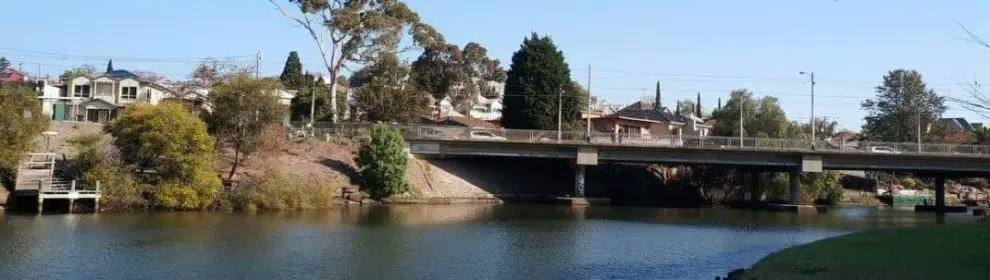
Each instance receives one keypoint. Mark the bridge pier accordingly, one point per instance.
(795, 187)
(940, 195)
(579, 181)
(754, 187)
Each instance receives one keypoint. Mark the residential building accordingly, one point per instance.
(643, 120)
(11, 75)
(487, 109)
(101, 97)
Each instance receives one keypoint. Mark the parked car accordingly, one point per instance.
(485, 135)
(882, 150)
(429, 133)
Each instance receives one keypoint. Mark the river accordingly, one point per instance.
(419, 242)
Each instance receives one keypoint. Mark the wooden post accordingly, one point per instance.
(96, 205)
(72, 203)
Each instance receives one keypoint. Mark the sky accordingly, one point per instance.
(704, 46)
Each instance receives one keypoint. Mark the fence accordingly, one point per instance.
(459, 133)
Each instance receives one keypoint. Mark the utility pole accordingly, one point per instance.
(257, 64)
(560, 111)
(588, 132)
(740, 120)
(813, 126)
(312, 108)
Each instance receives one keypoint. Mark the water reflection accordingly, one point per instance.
(448, 241)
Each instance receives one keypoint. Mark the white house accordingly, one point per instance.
(486, 108)
(97, 97)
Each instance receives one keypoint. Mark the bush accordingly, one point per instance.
(382, 161)
(21, 122)
(274, 191)
(98, 161)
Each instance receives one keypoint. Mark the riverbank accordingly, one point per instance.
(933, 252)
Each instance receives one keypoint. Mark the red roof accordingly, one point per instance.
(10, 74)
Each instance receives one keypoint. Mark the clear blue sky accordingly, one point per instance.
(689, 46)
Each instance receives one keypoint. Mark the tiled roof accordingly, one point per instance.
(643, 111)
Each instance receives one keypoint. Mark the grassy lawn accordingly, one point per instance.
(940, 252)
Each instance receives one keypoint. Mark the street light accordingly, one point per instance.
(812, 76)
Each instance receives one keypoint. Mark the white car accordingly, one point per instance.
(883, 150)
(485, 135)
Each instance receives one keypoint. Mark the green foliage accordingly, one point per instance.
(275, 190)
(383, 162)
(242, 109)
(901, 99)
(360, 31)
(98, 161)
(386, 97)
(292, 76)
(167, 147)
(823, 188)
(4, 63)
(72, 73)
(534, 84)
(21, 122)
(728, 116)
(446, 71)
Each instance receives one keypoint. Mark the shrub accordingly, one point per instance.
(98, 161)
(21, 121)
(274, 191)
(382, 161)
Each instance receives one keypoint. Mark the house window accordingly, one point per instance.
(629, 129)
(128, 93)
(147, 93)
(80, 91)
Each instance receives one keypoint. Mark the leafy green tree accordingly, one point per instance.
(21, 121)
(97, 160)
(386, 96)
(4, 63)
(292, 76)
(980, 136)
(462, 75)
(728, 116)
(242, 109)
(534, 86)
(169, 148)
(383, 162)
(357, 31)
(72, 73)
(770, 120)
(901, 100)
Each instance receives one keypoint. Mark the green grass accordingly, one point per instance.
(939, 252)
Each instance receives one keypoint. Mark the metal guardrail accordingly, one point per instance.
(429, 132)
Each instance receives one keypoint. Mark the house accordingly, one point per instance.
(101, 97)
(599, 108)
(11, 75)
(486, 108)
(648, 121)
(957, 130)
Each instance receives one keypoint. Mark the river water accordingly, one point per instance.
(420, 242)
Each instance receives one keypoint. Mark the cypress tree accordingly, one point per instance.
(292, 76)
(536, 78)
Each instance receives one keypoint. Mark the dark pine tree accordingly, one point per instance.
(292, 76)
(536, 78)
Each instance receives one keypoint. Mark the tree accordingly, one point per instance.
(446, 71)
(169, 148)
(770, 121)
(534, 85)
(685, 107)
(386, 96)
(150, 76)
(22, 122)
(292, 76)
(4, 63)
(901, 101)
(826, 128)
(109, 66)
(212, 71)
(72, 73)
(242, 109)
(728, 116)
(382, 162)
(979, 136)
(358, 31)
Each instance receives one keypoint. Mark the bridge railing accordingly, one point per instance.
(431, 132)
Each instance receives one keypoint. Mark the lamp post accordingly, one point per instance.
(560, 111)
(812, 76)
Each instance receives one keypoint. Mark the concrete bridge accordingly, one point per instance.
(764, 154)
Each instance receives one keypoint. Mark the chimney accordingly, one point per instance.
(656, 102)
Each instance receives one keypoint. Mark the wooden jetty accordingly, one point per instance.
(39, 177)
